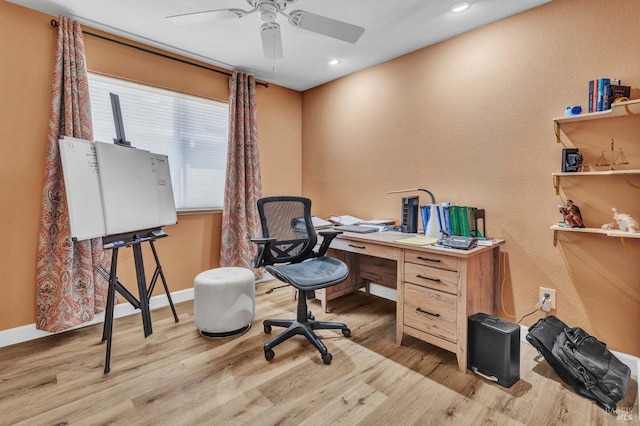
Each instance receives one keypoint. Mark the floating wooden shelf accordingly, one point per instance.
(620, 109)
(625, 173)
(606, 232)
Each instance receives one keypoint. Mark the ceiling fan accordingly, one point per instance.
(270, 31)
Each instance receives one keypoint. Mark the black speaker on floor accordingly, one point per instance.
(493, 349)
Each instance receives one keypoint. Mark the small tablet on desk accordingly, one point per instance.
(356, 228)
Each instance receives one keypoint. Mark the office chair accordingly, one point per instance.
(287, 251)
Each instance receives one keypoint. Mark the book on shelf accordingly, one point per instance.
(591, 88)
(601, 93)
(618, 91)
(603, 86)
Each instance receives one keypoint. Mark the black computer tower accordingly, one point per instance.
(493, 349)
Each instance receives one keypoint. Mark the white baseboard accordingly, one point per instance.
(30, 332)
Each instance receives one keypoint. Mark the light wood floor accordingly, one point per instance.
(177, 377)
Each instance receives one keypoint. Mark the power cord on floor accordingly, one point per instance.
(275, 288)
(526, 315)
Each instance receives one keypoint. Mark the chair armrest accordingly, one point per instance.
(263, 247)
(327, 237)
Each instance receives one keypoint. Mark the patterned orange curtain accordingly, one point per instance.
(243, 187)
(68, 289)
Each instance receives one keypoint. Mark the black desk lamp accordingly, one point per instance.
(433, 199)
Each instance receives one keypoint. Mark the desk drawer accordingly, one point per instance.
(431, 259)
(430, 311)
(370, 249)
(426, 276)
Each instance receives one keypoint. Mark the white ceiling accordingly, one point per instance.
(392, 28)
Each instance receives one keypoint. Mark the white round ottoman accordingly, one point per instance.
(224, 301)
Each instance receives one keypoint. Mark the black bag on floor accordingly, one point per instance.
(542, 335)
(582, 361)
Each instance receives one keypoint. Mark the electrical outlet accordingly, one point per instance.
(552, 296)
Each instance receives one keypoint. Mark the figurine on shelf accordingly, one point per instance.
(625, 222)
(571, 214)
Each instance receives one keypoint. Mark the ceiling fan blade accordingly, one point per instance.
(271, 41)
(325, 26)
(206, 16)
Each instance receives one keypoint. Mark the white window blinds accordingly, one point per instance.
(191, 131)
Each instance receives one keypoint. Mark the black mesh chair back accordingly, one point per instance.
(288, 251)
(288, 220)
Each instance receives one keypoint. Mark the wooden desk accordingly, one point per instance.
(437, 288)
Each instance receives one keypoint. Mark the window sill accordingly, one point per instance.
(213, 210)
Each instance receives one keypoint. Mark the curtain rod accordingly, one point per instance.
(54, 24)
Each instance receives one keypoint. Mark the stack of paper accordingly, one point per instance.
(418, 240)
(320, 223)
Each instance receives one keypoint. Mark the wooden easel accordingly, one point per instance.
(135, 241)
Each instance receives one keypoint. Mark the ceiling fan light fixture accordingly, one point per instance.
(459, 7)
(267, 12)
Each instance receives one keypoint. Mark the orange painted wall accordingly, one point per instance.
(28, 50)
(471, 119)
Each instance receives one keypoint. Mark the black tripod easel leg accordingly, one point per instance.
(158, 273)
(107, 331)
(142, 290)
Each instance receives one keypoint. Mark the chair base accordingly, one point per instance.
(303, 325)
(225, 334)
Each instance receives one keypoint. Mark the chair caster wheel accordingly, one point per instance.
(310, 316)
(326, 358)
(346, 332)
(269, 354)
(267, 329)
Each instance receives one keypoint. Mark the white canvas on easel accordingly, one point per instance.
(164, 189)
(113, 189)
(128, 188)
(82, 186)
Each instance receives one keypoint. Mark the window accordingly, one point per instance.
(191, 131)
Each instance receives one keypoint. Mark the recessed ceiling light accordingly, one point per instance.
(460, 6)
(334, 62)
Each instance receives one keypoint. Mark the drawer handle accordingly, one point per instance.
(428, 278)
(427, 312)
(429, 259)
(358, 247)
